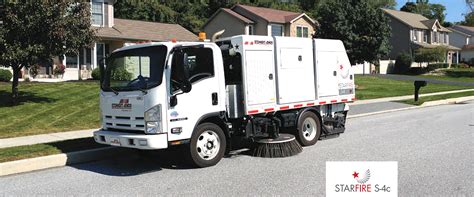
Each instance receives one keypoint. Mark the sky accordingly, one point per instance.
(454, 8)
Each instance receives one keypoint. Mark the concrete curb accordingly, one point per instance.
(425, 104)
(58, 160)
(45, 138)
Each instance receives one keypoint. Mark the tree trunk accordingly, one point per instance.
(16, 75)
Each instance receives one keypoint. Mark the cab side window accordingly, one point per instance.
(199, 64)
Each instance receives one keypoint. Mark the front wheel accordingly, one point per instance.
(207, 145)
(309, 129)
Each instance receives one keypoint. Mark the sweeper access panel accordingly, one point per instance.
(276, 92)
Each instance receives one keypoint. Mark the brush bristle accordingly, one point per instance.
(273, 150)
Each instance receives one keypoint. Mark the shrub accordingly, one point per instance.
(121, 74)
(460, 65)
(437, 54)
(96, 74)
(34, 70)
(402, 63)
(5, 75)
(432, 67)
(59, 70)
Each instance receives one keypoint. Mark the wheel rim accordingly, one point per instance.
(309, 129)
(208, 145)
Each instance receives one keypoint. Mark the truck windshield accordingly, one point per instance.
(134, 69)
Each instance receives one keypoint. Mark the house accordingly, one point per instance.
(114, 33)
(250, 20)
(411, 31)
(461, 37)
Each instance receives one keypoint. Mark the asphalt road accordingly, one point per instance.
(433, 147)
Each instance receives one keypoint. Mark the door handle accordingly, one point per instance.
(215, 101)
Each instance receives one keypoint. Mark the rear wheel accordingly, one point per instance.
(207, 145)
(309, 129)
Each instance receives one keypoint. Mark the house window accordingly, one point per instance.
(436, 37)
(446, 38)
(72, 61)
(425, 36)
(101, 51)
(250, 30)
(97, 12)
(414, 35)
(277, 30)
(301, 32)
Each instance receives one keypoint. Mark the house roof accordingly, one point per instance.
(414, 20)
(464, 29)
(468, 47)
(273, 15)
(430, 46)
(459, 32)
(236, 15)
(144, 31)
(230, 12)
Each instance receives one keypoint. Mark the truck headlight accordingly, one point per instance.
(153, 120)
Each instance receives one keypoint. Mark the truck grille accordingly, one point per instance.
(124, 123)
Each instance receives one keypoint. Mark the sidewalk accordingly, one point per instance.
(358, 107)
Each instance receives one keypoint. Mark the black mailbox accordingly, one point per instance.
(418, 85)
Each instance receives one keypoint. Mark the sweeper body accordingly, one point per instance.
(212, 95)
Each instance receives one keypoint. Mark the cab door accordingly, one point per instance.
(194, 67)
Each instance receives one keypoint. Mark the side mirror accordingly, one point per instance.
(173, 101)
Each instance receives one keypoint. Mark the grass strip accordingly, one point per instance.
(38, 150)
(371, 87)
(421, 100)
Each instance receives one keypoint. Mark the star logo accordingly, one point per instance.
(356, 175)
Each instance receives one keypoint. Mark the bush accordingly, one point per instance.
(5, 75)
(402, 63)
(437, 54)
(59, 70)
(121, 74)
(460, 65)
(96, 74)
(432, 67)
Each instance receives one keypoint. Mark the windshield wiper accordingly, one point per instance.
(114, 91)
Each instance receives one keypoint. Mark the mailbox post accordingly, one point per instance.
(418, 85)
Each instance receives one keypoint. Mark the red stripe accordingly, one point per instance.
(353, 99)
(269, 109)
(309, 104)
(322, 102)
(333, 101)
(285, 107)
(246, 43)
(251, 43)
(299, 105)
(252, 111)
(344, 100)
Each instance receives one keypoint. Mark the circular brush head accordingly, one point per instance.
(283, 146)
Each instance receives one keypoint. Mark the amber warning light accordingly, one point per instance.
(202, 36)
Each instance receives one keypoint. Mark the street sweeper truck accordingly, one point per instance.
(276, 92)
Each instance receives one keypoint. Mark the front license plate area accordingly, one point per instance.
(115, 141)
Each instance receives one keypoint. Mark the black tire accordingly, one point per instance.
(310, 121)
(196, 153)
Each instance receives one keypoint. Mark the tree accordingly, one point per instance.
(431, 11)
(437, 54)
(35, 31)
(390, 4)
(468, 19)
(363, 29)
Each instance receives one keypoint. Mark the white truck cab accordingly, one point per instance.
(203, 94)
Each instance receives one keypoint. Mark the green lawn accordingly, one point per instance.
(49, 107)
(370, 87)
(421, 100)
(38, 150)
(448, 78)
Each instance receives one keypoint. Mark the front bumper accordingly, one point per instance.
(131, 140)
